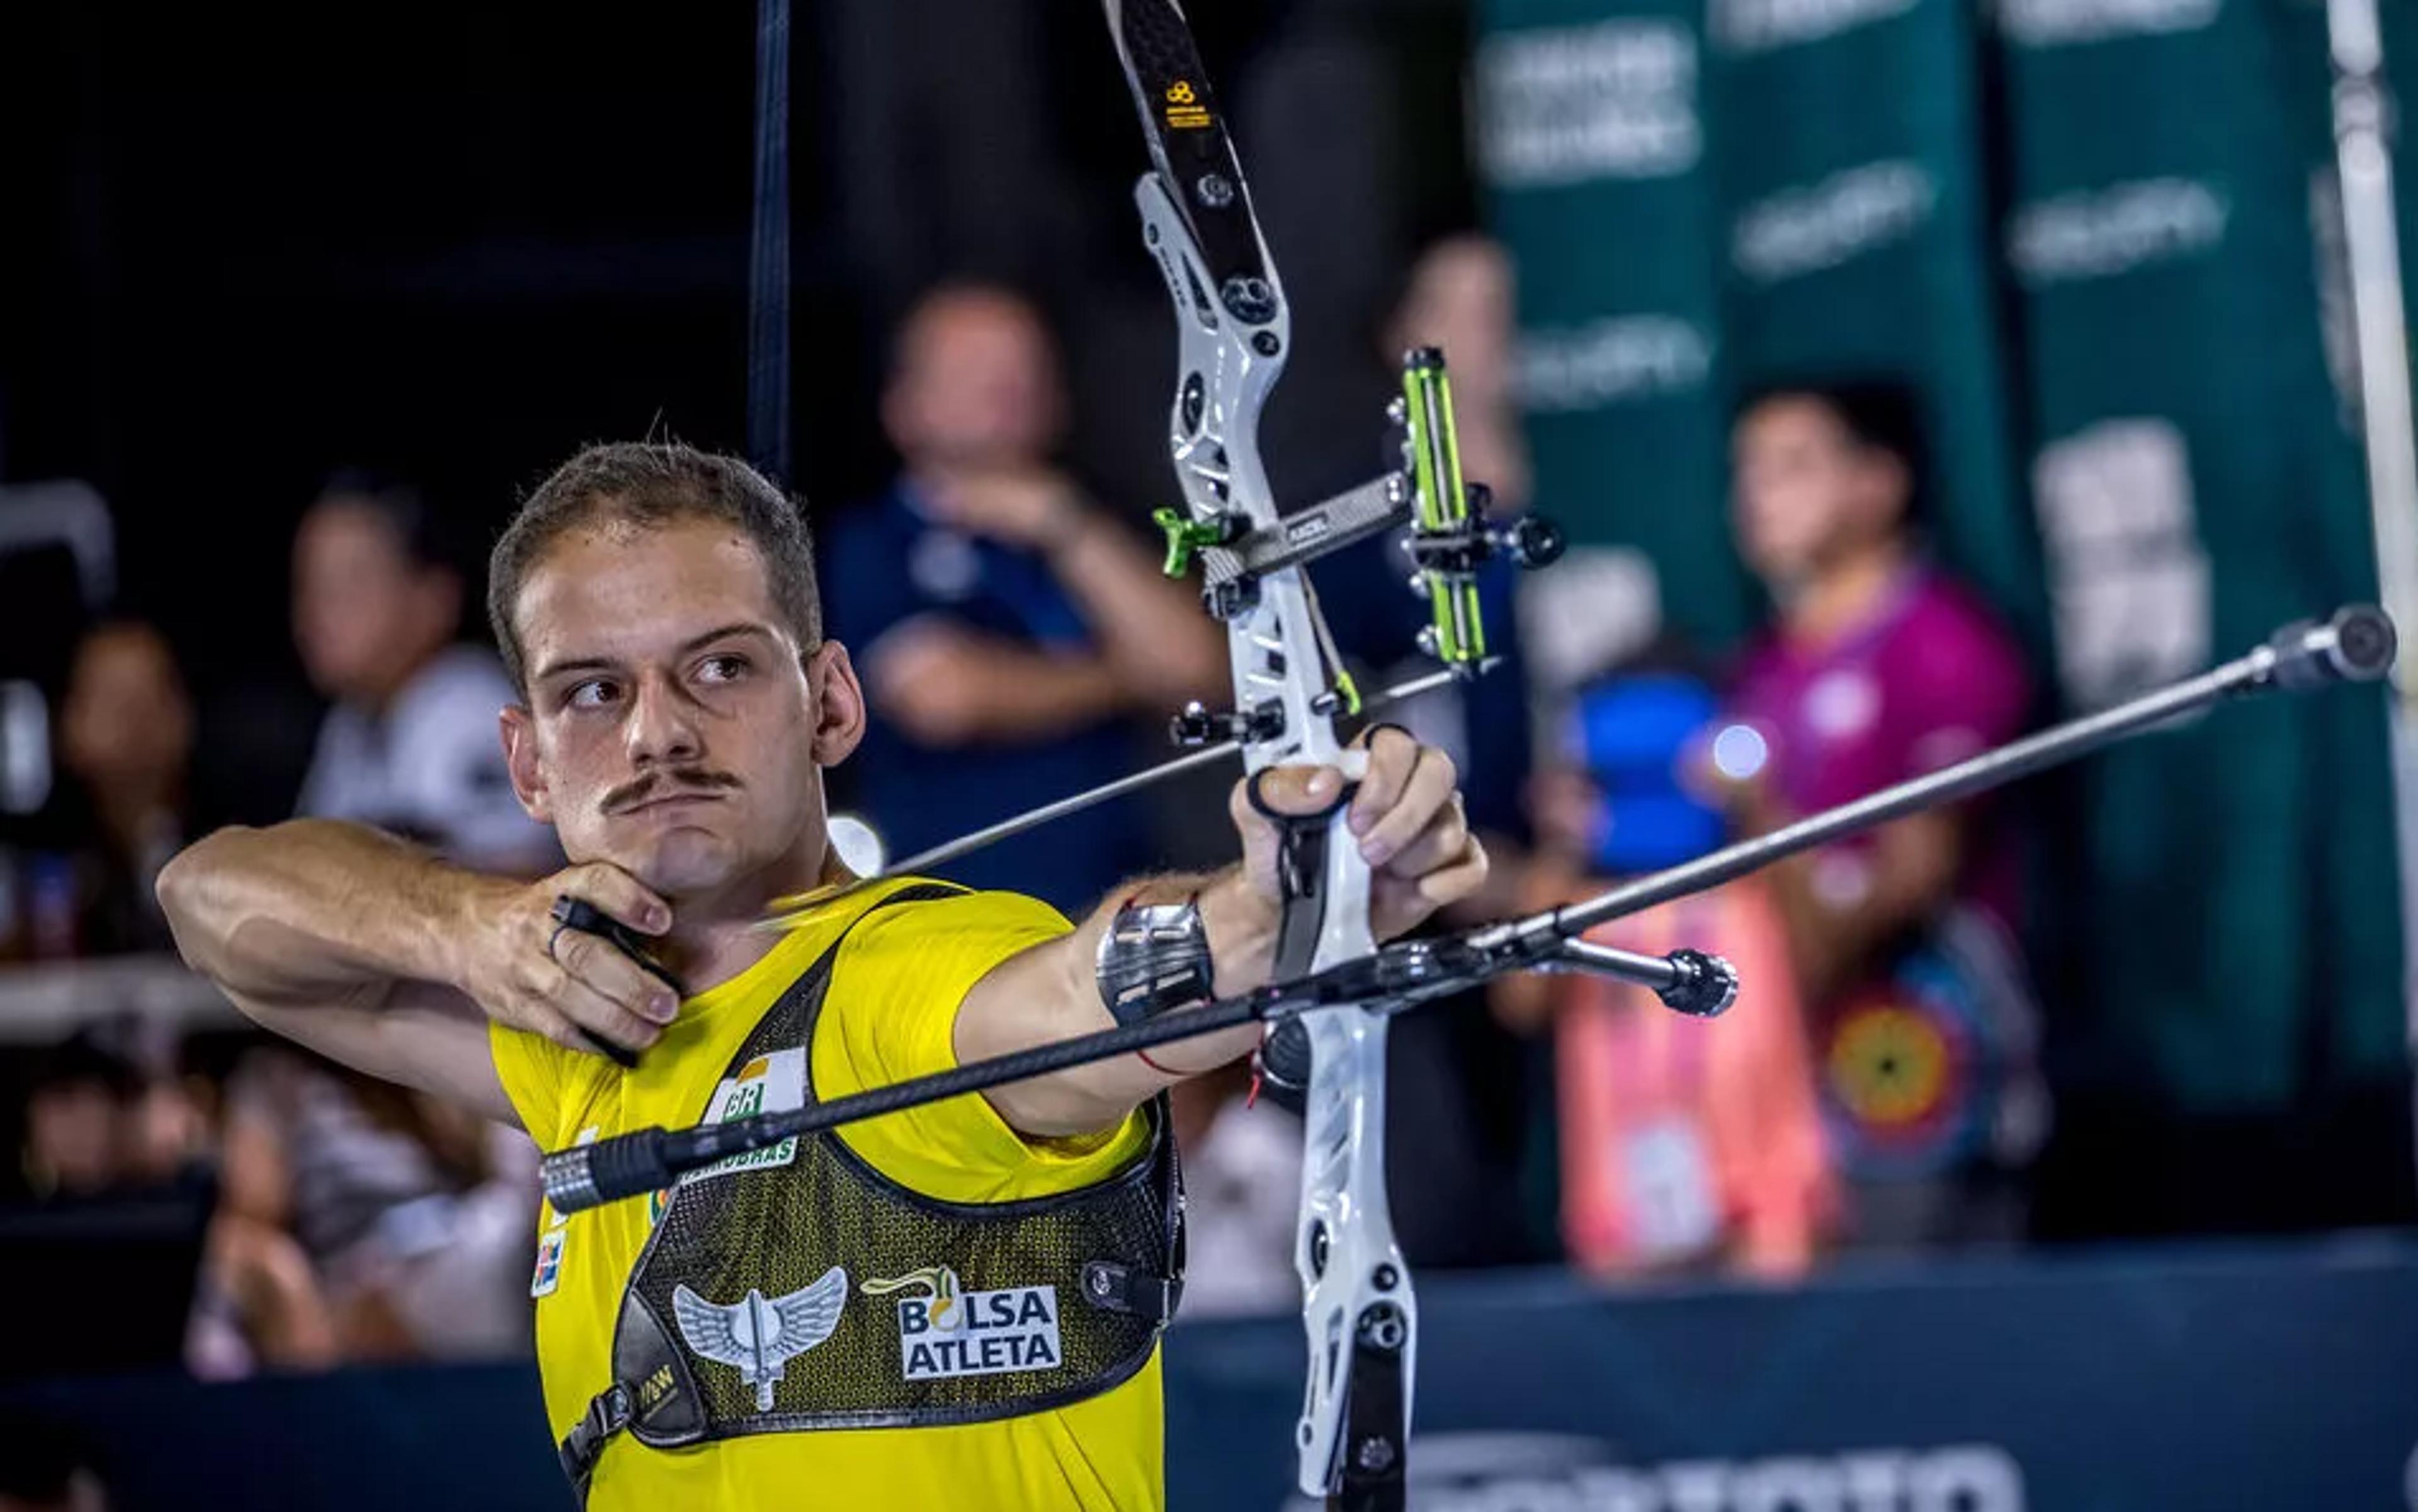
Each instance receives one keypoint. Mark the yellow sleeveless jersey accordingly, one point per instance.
(890, 1014)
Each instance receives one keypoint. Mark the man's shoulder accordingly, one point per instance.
(919, 910)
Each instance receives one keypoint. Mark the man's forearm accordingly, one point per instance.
(1051, 992)
(316, 909)
(1042, 695)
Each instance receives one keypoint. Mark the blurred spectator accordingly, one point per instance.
(1920, 1027)
(1003, 625)
(418, 1219)
(412, 745)
(1466, 1090)
(1685, 1145)
(110, 1115)
(126, 741)
(1241, 1196)
(77, 879)
(1458, 297)
(1876, 668)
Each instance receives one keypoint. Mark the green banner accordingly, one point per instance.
(2195, 486)
(2115, 276)
(1850, 163)
(1591, 137)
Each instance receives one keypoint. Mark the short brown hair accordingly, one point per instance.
(651, 485)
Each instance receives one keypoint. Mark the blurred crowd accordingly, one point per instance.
(1877, 1087)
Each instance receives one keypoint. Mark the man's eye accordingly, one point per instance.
(726, 668)
(594, 694)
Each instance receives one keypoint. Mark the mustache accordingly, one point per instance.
(667, 784)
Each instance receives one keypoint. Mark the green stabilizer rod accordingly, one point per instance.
(1442, 506)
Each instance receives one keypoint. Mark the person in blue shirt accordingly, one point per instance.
(1010, 631)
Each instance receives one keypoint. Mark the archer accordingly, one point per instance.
(861, 1311)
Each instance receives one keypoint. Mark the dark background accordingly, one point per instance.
(456, 242)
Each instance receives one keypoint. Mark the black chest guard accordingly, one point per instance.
(797, 1287)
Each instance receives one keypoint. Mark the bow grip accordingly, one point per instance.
(1308, 846)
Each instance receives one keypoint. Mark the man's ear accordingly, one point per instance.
(838, 704)
(519, 729)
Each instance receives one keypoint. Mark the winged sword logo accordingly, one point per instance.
(757, 1336)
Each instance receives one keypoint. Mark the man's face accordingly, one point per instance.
(364, 613)
(976, 386)
(671, 728)
(1806, 490)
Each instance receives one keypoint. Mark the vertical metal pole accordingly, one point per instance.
(2364, 159)
(768, 269)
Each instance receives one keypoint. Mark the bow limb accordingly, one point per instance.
(1234, 333)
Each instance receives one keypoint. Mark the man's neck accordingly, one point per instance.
(1844, 594)
(716, 938)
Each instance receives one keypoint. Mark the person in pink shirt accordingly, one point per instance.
(1873, 1081)
(1875, 667)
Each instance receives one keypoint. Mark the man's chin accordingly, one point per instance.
(684, 865)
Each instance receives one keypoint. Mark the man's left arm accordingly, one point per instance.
(1406, 817)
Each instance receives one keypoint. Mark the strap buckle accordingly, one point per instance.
(1115, 1288)
(606, 1415)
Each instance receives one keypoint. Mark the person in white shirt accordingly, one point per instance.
(410, 745)
(420, 1253)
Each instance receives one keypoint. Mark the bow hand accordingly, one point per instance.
(1403, 815)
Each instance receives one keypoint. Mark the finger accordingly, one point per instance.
(1458, 880)
(1292, 789)
(601, 966)
(1399, 903)
(572, 993)
(1437, 846)
(618, 893)
(1424, 793)
(539, 1019)
(1392, 755)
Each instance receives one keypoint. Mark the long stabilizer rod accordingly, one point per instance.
(2355, 645)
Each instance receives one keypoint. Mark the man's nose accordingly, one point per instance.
(662, 727)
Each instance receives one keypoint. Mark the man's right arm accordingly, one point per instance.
(377, 955)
